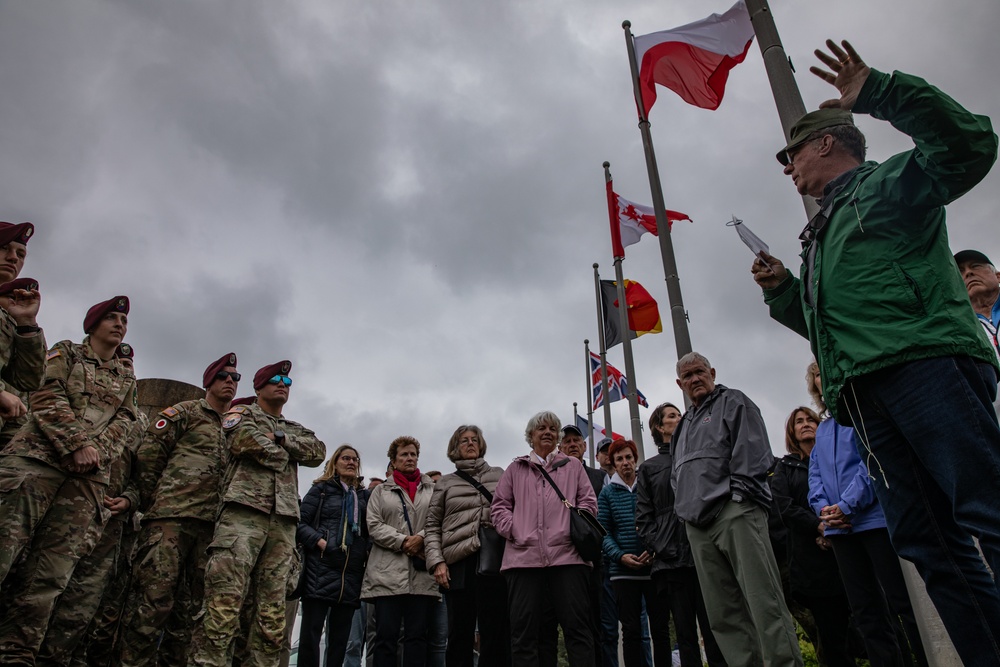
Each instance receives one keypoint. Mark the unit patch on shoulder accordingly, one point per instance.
(232, 419)
(161, 424)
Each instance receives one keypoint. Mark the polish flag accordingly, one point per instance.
(694, 60)
(629, 221)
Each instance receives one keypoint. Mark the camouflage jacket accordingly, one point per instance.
(22, 368)
(181, 461)
(83, 401)
(123, 480)
(263, 474)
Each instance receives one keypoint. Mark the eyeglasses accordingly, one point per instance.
(350, 459)
(222, 375)
(281, 379)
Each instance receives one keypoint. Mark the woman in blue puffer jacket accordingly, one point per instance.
(841, 494)
(333, 532)
(630, 563)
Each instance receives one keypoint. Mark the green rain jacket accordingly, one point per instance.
(884, 286)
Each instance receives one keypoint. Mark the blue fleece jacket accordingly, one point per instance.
(838, 476)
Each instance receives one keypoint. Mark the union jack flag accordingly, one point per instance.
(617, 384)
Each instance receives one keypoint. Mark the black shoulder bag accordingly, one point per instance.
(419, 564)
(585, 530)
(491, 544)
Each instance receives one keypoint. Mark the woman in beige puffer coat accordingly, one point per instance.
(452, 545)
(396, 579)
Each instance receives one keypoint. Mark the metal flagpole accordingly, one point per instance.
(604, 353)
(590, 400)
(633, 396)
(678, 316)
(786, 94)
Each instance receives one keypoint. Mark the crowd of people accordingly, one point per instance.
(181, 538)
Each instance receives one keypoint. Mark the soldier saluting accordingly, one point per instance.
(22, 344)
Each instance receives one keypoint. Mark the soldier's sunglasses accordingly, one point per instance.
(222, 375)
(281, 379)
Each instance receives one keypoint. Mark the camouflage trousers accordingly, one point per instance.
(51, 520)
(101, 646)
(168, 585)
(248, 547)
(70, 620)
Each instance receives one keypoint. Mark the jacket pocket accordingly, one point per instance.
(10, 481)
(913, 300)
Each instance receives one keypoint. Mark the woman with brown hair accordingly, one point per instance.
(814, 578)
(396, 579)
(334, 535)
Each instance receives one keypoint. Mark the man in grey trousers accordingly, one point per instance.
(721, 459)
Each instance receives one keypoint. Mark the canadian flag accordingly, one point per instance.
(694, 60)
(629, 221)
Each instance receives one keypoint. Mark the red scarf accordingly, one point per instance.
(408, 481)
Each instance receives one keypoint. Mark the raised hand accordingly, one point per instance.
(848, 74)
(24, 306)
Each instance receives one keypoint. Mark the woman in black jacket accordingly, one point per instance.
(673, 574)
(814, 577)
(333, 533)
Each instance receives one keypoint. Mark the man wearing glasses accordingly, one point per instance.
(180, 465)
(255, 534)
(902, 358)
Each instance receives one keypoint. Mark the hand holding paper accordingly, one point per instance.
(768, 271)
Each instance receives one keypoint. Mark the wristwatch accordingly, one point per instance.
(279, 435)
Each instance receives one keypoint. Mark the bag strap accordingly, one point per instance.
(479, 487)
(406, 515)
(554, 487)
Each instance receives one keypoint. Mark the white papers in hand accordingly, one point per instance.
(752, 241)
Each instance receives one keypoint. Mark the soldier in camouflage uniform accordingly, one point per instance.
(71, 619)
(181, 461)
(22, 345)
(255, 534)
(12, 294)
(55, 474)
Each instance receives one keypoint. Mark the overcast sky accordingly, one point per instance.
(406, 198)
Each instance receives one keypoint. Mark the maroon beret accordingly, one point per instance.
(246, 400)
(261, 377)
(20, 232)
(228, 359)
(125, 351)
(18, 283)
(97, 312)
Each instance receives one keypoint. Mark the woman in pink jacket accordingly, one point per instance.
(540, 563)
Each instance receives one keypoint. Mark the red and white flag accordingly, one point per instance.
(629, 221)
(694, 60)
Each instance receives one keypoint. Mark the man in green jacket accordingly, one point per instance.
(901, 355)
